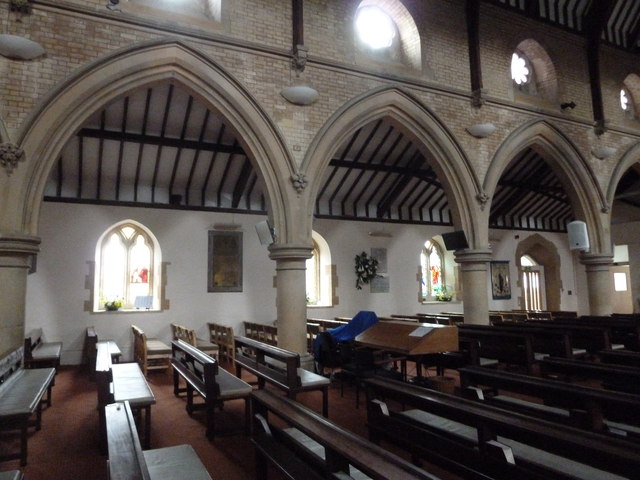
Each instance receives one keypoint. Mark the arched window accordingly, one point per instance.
(433, 271)
(386, 32)
(128, 273)
(629, 96)
(533, 74)
(319, 274)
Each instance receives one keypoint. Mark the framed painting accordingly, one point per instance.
(500, 281)
(225, 261)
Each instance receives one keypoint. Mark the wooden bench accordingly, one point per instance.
(261, 332)
(475, 440)
(590, 338)
(180, 332)
(309, 447)
(38, 353)
(326, 323)
(576, 405)
(222, 335)
(546, 342)
(204, 377)
(89, 349)
(613, 377)
(279, 367)
(121, 382)
(620, 357)
(150, 353)
(510, 348)
(22, 393)
(127, 461)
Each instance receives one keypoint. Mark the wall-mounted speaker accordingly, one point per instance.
(265, 233)
(578, 238)
(455, 240)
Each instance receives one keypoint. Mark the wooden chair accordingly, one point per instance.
(222, 335)
(150, 353)
(180, 332)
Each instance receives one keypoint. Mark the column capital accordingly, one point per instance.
(290, 251)
(473, 259)
(17, 249)
(596, 261)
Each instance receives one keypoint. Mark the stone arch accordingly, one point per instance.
(545, 253)
(407, 29)
(627, 160)
(4, 134)
(65, 109)
(412, 117)
(544, 72)
(576, 175)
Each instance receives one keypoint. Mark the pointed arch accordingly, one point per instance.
(627, 160)
(166, 60)
(450, 163)
(545, 253)
(561, 154)
(4, 135)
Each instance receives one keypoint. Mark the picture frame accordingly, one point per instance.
(225, 261)
(500, 280)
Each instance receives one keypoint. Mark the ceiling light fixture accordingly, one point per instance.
(19, 48)
(603, 152)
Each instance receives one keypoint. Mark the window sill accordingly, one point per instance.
(438, 302)
(319, 306)
(128, 310)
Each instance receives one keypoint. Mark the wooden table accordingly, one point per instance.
(410, 339)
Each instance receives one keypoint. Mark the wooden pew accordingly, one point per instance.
(222, 335)
(613, 377)
(261, 332)
(279, 367)
(326, 324)
(121, 382)
(592, 339)
(150, 353)
(475, 440)
(577, 405)
(180, 332)
(38, 353)
(309, 447)
(620, 357)
(127, 461)
(204, 377)
(22, 394)
(510, 348)
(89, 351)
(550, 342)
(622, 330)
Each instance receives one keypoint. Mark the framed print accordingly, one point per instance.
(225, 262)
(380, 254)
(500, 281)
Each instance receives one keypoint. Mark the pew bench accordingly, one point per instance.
(120, 382)
(150, 353)
(127, 461)
(22, 394)
(621, 378)
(620, 357)
(38, 353)
(89, 349)
(180, 332)
(481, 441)
(583, 407)
(280, 368)
(204, 377)
(309, 447)
(222, 335)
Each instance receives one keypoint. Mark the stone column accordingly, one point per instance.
(474, 265)
(291, 296)
(598, 282)
(16, 252)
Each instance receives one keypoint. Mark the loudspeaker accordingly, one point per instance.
(265, 234)
(578, 238)
(455, 240)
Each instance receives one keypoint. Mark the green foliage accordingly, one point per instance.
(366, 269)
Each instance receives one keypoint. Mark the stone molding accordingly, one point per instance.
(10, 155)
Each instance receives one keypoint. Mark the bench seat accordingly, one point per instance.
(130, 384)
(520, 450)
(21, 395)
(11, 475)
(169, 463)
(38, 353)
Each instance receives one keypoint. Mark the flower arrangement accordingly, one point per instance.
(112, 305)
(366, 269)
(442, 294)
